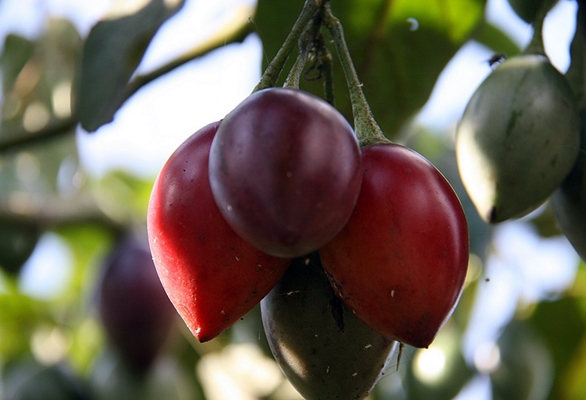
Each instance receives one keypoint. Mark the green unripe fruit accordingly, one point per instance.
(569, 200)
(324, 350)
(518, 138)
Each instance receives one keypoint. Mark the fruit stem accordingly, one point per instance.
(576, 73)
(366, 127)
(536, 44)
(326, 68)
(273, 70)
(294, 76)
(306, 41)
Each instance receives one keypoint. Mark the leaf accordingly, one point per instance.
(399, 48)
(445, 383)
(37, 78)
(525, 369)
(20, 315)
(562, 324)
(495, 39)
(112, 52)
(17, 51)
(122, 196)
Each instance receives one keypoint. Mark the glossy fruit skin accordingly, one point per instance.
(321, 347)
(401, 261)
(212, 276)
(569, 200)
(285, 171)
(133, 307)
(518, 138)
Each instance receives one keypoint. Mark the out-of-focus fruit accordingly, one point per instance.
(212, 276)
(285, 171)
(518, 138)
(401, 261)
(133, 307)
(569, 200)
(320, 345)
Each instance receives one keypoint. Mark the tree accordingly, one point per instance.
(518, 337)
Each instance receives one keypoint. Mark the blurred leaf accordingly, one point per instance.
(37, 94)
(20, 315)
(545, 222)
(562, 324)
(423, 381)
(112, 52)
(18, 239)
(401, 55)
(494, 38)
(87, 243)
(87, 341)
(37, 86)
(572, 384)
(17, 51)
(29, 380)
(399, 48)
(112, 380)
(525, 370)
(123, 197)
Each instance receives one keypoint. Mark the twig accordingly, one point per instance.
(16, 140)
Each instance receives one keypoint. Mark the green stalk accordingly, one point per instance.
(273, 70)
(326, 68)
(576, 74)
(366, 127)
(536, 44)
(306, 41)
(294, 76)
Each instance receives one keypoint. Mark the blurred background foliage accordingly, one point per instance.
(60, 224)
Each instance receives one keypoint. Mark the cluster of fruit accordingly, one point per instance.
(357, 248)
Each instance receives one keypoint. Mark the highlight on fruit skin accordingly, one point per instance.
(518, 138)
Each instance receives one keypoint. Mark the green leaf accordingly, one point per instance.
(495, 39)
(525, 368)
(18, 239)
(445, 383)
(123, 197)
(562, 324)
(20, 315)
(401, 53)
(17, 51)
(112, 52)
(399, 48)
(37, 79)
